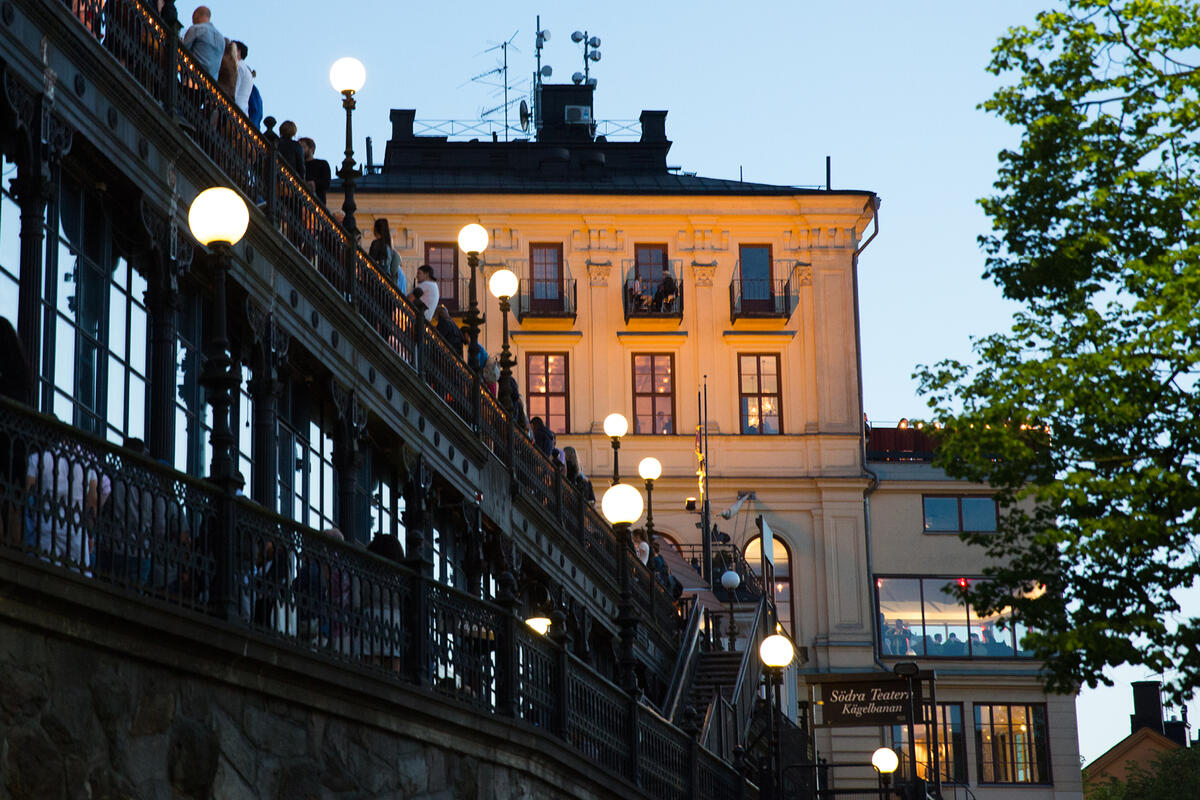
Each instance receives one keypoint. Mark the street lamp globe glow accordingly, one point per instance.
(885, 760)
(473, 238)
(347, 75)
(503, 283)
(650, 468)
(615, 425)
(730, 580)
(621, 504)
(776, 651)
(539, 624)
(218, 215)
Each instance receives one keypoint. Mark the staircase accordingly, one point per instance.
(715, 670)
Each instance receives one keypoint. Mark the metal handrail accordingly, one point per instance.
(745, 689)
(685, 663)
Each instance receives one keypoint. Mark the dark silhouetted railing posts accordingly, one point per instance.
(272, 177)
(633, 742)
(170, 76)
(562, 637)
(508, 693)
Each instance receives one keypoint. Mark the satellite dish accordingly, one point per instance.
(545, 35)
(547, 71)
(594, 55)
(594, 41)
(577, 37)
(524, 116)
(577, 78)
(591, 82)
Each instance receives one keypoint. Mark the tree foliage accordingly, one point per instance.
(1169, 775)
(1086, 414)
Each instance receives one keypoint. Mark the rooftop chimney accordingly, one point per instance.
(654, 126)
(402, 123)
(1147, 706)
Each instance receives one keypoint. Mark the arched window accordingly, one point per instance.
(783, 577)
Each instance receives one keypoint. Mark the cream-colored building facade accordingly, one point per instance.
(796, 441)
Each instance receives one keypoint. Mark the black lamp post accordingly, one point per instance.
(348, 76)
(730, 581)
(621, 506)
(775, 653)
(650, 468)
(616, 426)
(503, 284)
(885, 761)
(218, 219)
(473, 240)
(909, 670)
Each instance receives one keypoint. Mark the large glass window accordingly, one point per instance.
(653, 393)
(1012, 744)
(783, 576)
(917, 617)
(307, 481)
(951, 744)
(442, 258)
(760, 394)
(954, 514)
(755, 272)
(93, 367)
(547, 389)
(546, 276)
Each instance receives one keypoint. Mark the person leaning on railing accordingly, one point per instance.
(206, 42)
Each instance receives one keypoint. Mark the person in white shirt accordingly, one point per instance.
(426, 291)
(245, 79)
(66, 498)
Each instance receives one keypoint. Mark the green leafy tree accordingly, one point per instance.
(1086, 415)
(1173, 774)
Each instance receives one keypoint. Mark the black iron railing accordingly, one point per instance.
(546, 299)
(134, 34)
(765, 297)
(644, 295)
(76, 503)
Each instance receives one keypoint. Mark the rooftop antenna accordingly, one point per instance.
(591, 52)
(501, 69)
(540, 38)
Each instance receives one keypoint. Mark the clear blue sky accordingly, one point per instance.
(889, 90)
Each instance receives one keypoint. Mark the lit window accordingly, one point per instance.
(1012, 743)
(760, 394)
(442, 258)
(547, 389)
(954, 514)
(918, 617)
(951, 746)
(783, 576)
(653, 393)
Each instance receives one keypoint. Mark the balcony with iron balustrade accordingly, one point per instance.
(765, 298)
(644, 296)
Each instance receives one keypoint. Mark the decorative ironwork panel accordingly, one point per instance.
(222, 131)
(716, 780)
(85, 505)
(380, 303)
(597, 719)
(447, 375)
(663, 760)
(463, 636)
(536, 696)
